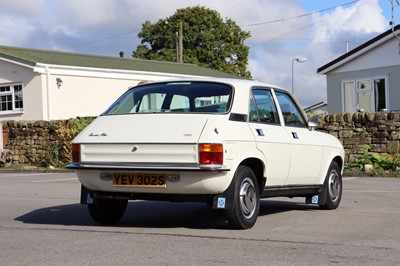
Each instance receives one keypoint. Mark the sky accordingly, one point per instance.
(317, 30)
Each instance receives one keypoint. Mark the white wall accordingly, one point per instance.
(84, 91)
(383, 55)
(32, 90)
(84, 96)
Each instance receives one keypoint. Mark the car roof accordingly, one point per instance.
(232, 82)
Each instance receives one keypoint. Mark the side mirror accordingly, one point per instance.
(313, 123)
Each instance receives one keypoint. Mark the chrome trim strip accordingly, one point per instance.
(86, 166)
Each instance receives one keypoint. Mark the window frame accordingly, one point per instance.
(14, 99)
(300, 110)
(387, 91)
(160, 88)
(371, 89)
(273, 101)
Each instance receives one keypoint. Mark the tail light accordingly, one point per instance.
(210, 154)
(76, 153)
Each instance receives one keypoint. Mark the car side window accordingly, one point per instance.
(291, 113)
(179, 102)
(262, 107)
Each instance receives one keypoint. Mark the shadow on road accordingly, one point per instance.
(154, 214)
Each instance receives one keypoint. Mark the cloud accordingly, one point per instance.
(320, 39)
(105, 27)
(21, 7)
(13, 31)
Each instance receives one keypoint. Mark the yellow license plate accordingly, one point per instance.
(139, 180)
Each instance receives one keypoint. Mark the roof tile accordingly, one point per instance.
(32, 57)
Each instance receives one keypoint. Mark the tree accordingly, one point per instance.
(208, 41)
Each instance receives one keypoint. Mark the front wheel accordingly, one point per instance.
(107, 211)
(333, 187)
(246, 199)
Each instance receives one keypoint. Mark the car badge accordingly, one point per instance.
(98, 135)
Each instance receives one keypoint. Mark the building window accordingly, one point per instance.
(11, 98)
(380, 94)
(366, 95)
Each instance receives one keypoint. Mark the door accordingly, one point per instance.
(271, 137)
(306, 153)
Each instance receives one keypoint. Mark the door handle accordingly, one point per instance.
(294, 135)
(260, 132)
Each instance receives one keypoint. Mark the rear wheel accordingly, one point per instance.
(333, 187)
(246, 199)
(107, 211)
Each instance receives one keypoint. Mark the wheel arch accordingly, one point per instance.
(339, 161)
(257, 166)
(338, 158)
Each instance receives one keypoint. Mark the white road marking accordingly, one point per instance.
(349, 178)
(54, 180)
(20, 175)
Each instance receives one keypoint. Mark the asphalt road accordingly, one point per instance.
(42, 223)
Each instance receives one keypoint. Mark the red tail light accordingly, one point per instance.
(76, 153)
(211, 153)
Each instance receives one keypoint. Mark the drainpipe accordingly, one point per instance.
(1, 137)
(48, 92)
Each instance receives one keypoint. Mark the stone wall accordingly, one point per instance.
(42, 143)
(381, 131)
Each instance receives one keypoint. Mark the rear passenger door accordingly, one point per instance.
(271, 137)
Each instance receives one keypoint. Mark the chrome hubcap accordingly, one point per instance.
(334, 186)
(248, 197)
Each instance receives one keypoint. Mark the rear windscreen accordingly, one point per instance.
(178, 97)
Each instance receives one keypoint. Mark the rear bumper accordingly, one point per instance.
(186, 181)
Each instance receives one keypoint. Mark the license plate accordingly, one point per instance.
(139, 180)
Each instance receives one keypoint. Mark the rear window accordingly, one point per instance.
(177, 97)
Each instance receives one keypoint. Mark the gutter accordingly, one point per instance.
(104, 73)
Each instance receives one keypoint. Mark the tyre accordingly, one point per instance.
(107, 211)
(246, 199)
(333, 187)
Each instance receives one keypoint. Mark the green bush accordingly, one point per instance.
(59, 155)
(378, 161)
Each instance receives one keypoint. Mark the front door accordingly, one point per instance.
(306, 155)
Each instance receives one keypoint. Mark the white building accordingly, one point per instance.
(48, 85)
(366, 78)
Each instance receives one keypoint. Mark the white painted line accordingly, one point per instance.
(373, 191)
(20, 175)
(349, 178)
(54, 180)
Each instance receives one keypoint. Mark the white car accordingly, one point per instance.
(222, 141)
